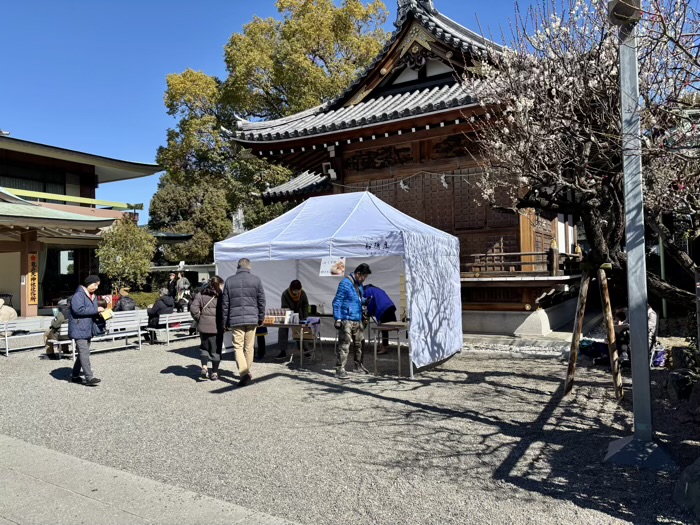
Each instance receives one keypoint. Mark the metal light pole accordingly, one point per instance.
(640, 449)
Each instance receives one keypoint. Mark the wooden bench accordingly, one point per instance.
(122, 325)
(183, 321)
(24, 329)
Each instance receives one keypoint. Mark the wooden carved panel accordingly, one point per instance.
(379, 158)
(452, 146)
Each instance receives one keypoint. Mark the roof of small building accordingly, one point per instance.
(106, 169)
(303, 184)
(19, 212)
(335, 115)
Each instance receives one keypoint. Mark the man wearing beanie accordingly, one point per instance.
(83, 311)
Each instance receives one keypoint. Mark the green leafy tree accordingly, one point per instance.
(280, 67)
(276, 67)
(125, 253)
(201, 208)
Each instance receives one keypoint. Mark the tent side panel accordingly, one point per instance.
(433, 289)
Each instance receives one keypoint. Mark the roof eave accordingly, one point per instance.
(358, 128)
(106, 168)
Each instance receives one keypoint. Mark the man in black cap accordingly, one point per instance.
(347, 311)
(83, 312)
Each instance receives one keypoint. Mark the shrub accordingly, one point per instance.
(143, 299)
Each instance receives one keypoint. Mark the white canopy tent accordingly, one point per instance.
(362, 228)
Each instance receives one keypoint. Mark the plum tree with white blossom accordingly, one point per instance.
(550, 123)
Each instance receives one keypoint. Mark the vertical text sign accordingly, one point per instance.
(33, 279)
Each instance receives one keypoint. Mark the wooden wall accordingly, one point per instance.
(457, 208)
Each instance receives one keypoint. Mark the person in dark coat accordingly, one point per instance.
(243, 310)
(83, 312)
(206, 310)
(382, 308)
(125, 303)
(163, 306)
(172, 285)
(294, 299)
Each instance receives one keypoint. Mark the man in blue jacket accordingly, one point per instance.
(382, 308)
(82, 314)
(347, 311)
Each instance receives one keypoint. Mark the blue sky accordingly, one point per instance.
(90, 75)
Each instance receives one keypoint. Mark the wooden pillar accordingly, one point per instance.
(29, 274)
(578, 328)
(610, 327)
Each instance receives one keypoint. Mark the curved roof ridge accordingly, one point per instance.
(249, 125)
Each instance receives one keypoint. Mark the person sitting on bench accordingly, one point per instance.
(164, 306)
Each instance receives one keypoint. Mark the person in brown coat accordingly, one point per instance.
(206, 310)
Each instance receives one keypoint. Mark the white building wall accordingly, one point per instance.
(9, 277)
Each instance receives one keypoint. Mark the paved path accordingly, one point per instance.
(39, 485)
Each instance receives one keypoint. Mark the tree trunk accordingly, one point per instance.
(678, 255)
(672, 294)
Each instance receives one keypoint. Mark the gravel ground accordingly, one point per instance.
(483, 438)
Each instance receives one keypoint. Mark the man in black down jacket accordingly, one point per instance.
(164, 305)
(243, 310)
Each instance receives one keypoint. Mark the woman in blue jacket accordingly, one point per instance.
(382, 308)
(83, 311)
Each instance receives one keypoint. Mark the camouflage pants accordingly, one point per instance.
(350, 334)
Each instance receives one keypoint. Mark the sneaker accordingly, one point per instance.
(92, 382)
(360, 369)
(243, 381)
(214, 376)
(204, 373)
(76, 380)
(341, 374)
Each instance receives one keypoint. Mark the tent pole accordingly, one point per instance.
(410, 350)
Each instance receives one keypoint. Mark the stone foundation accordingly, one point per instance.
(520, 324)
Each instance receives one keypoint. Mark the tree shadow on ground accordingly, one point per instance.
(555, 450)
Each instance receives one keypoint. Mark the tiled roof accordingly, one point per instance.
(440, 26)
(333, 117)
(319, 120)
(303, 184)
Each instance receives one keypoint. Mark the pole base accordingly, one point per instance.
(633, 452)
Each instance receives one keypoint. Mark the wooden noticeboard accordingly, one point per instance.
(33, 278)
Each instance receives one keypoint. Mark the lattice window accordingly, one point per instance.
(467, 213)
(438, 202)
(411, 202)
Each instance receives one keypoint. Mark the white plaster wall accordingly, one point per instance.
(561, 233)
(9, 277)
(534, 323)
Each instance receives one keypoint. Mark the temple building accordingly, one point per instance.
(50, 220)
(402, 131)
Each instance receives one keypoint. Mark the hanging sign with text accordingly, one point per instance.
(33, 279)
(332, 267)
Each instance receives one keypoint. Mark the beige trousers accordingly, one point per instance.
(244, 346)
